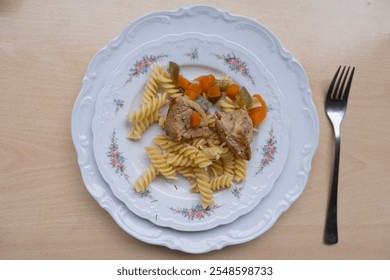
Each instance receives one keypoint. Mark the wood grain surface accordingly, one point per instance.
(46, 211)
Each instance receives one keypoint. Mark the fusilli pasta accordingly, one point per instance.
(150, 90)
(203, 183)
(149, 108)
(168, 86)
(140, 126)
(159, 160)
(239, 169)
(144, 180)
(221, 182)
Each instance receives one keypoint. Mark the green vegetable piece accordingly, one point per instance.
(174, 70)
(243, 98)
(223, 84)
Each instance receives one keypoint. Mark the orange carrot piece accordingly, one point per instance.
(207, 81)
(214, 91)
(258, 114)
(197, 87)
(190, 94)
(183, 82)
(195, 119)
(258, 96)
(232, 91)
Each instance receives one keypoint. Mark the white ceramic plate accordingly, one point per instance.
(290, 77)
(121, 161)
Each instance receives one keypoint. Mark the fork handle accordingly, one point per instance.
(331, 234)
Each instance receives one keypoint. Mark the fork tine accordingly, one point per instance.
(346, 92)
(334, 95)
(332, 83)
(339, 94)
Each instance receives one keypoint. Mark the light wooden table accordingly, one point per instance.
(47, 213)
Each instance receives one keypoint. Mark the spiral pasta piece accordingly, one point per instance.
(239, 169)
(165, 143)
(179, 160)
(144, 180)
(166, 83)
(186, 171)
(212, 153)
(228, 162)
(203, 183)
(140, 126)
(150, 89)
(159, 160)
(188, 151)
(221, 182)
(199, 143)
(149, 108)
(194, 187)
(216, 168)
(211, 119)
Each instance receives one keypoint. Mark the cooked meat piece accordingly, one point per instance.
(178, 123)
(236, 129)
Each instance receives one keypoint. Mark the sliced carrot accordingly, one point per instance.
(196, 86)
(258, 96)
(195, 119)
(214, 91)
(207, 81)
(183, 82)
(232, 91)
(190, 94)
(258, 114)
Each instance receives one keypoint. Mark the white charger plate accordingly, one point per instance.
(290, 77)
(121, 161)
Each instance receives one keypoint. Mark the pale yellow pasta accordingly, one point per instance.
(186, 171)
(166, 83)
(221, 182)
(179, 160)
(228, 162)
(228, 104)
(144, 180)
(165, 143)
(211, 119)
(148, 109)
(199, 143)
(203, 183)
(150, 90)
(216, 168)
(194, 186)
(159, 160)
(161, 120)
(213, 140)
(140, 126)
(239, 169)
(212, 153)
(188, 151)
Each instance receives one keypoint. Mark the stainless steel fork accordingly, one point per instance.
(335, 107)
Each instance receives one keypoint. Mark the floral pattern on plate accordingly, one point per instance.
(237, 65)
(142, 66)
(196, 212)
